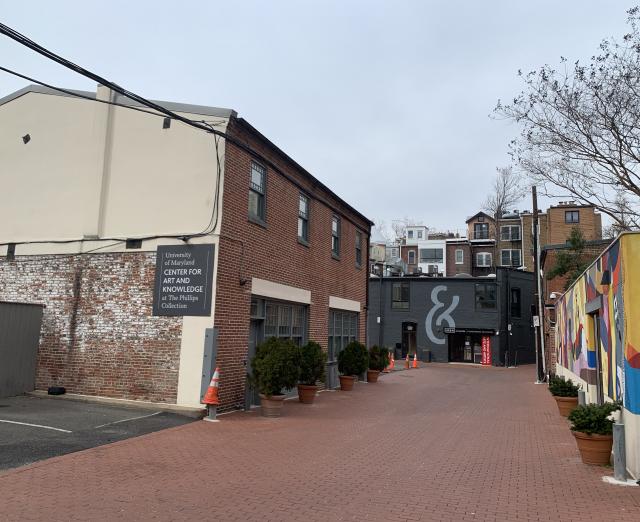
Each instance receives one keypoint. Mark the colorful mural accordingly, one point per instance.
(601, 311)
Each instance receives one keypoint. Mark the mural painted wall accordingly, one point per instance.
(601, 311)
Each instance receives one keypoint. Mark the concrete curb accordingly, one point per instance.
(187, 411)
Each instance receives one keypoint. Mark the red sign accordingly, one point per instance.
(486, 351)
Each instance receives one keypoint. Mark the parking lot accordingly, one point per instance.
(36, 428)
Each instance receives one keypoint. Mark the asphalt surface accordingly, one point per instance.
(35, 428)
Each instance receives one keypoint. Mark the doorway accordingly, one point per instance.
(256, 334)
(465, 347)
(409, 343)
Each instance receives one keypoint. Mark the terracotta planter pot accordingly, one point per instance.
(346, 382)
(271, 406)
(307, 393)
(594, 449)
(372, 375)
(566, 404)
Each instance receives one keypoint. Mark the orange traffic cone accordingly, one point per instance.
(415, 360)
(406, 363)
(211, 397)
(392, 363)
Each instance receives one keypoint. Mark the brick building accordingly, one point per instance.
(98, 191)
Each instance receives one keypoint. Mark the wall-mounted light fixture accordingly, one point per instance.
(26, 139)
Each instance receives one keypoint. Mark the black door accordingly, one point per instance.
(256, 329)
(408, 339)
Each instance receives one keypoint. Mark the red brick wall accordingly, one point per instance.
(273, 253)
(98, 336)
(452, 267)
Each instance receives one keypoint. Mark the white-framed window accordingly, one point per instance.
(459, 256)
(303, 219)
(335, 236)
(510, 233)
(572, 216)
(483, 259)
(509, 257)
(410, 234)
(412, 257)
(257, 191)
(419, 234)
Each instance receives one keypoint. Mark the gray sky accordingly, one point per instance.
(385, 102)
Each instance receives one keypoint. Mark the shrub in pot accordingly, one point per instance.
(592, 426)
(352, 361)
(275, 369)
(311, 361)
(378, 361)
(565, 393)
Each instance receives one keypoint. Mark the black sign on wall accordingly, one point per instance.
(183, 280)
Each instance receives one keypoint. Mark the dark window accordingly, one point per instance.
(412, 257)
(431, 255)
(343, 328)
(358, 248)
(419, 234)
(510, 258)
(410, 234)
(335, 236)
(481, 231)
(303, 218)
(400, 296)
(572, 216)
(284, 320)
(483, 259)
(257, 192)
(510, 233)
(485, 296)
(515, 303)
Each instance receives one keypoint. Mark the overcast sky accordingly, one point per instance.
(387, 103)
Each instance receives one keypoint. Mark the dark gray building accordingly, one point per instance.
(452, 318)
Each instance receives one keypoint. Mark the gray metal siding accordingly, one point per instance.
(19, 338)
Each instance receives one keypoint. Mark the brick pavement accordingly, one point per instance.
(443, 443)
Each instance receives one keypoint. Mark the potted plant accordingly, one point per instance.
(565, 393)
(378, 361)
(352, 361)
(312, 361)
(275, 368)
(592, 426)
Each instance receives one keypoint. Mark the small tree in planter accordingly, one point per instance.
(352, 361)
(312, 361)
(565, 393)
(592, 426)
(275, 368)
(378, 361)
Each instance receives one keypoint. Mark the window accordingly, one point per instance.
(343, 329)
(394, 252)
(257, 192)
(481, 231)
(572, 216)
(335, 236)
(284, 320)
(400, 296)
(459, 256)
(410, 234)
(485, 296)
(483, 259)
(510, 258)
(412, 257)
(510, 233)
(419, 234)
(431, 255)
(358, 248)
(515, 303)
(303, 219)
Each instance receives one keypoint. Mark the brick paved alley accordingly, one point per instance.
(439, 443)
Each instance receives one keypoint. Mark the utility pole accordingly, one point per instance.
(538, 292)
